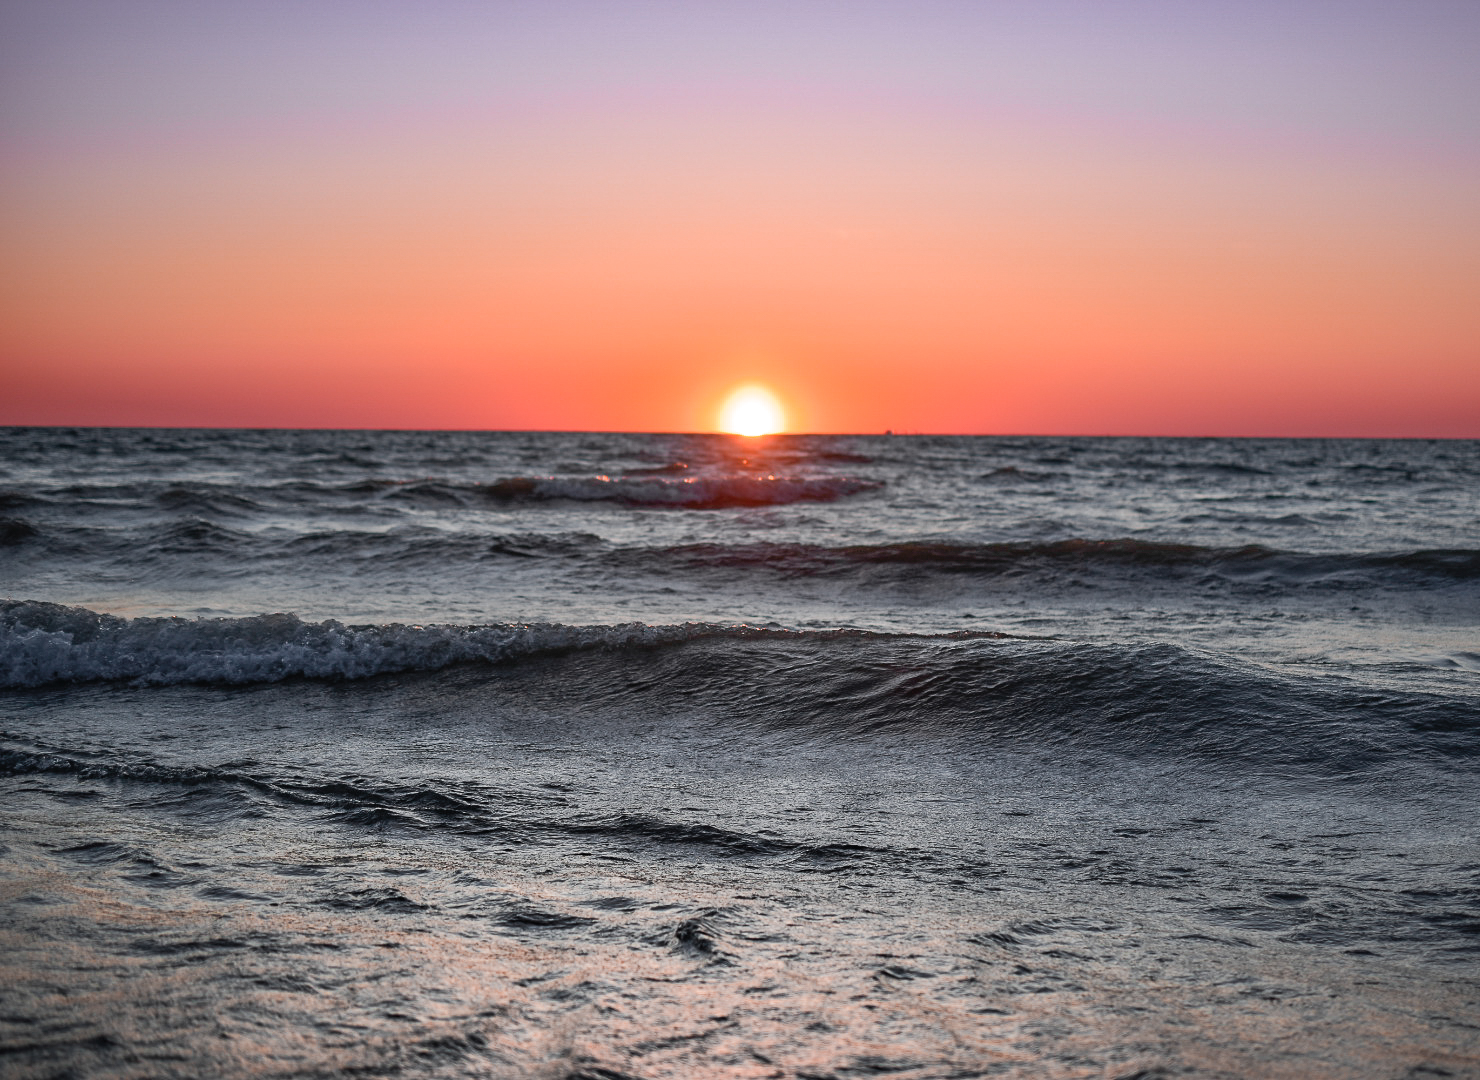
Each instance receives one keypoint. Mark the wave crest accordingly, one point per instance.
(947, 556)
(42, 643)
(1150, 700)
(689, 492)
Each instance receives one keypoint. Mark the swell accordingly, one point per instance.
(43, 643)
(660, 488)
(437, 549)
(950, 557)
(186, 542)
(691, 493)
(667, 486)
(1141, 698)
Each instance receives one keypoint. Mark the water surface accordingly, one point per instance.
(583, 755)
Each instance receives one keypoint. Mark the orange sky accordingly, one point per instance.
(600, 250)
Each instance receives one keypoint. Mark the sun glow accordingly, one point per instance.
(752, 410)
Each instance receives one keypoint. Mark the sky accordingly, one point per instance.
(1047, 216)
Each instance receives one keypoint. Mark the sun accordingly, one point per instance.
(752, 410)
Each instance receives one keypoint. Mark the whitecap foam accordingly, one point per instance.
(44, 643)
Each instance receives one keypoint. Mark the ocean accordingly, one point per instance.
(604, 756)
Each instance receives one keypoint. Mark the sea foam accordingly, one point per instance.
(44, 643)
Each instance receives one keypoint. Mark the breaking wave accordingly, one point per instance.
(43, 643)
(1147, 698)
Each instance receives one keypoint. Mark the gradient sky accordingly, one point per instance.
(1084, 216)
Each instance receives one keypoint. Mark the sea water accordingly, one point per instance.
(595, 756)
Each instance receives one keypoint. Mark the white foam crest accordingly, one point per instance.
(43, 643)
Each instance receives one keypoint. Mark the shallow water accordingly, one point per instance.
(661, 756)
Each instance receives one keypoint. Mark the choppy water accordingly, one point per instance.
(590, 756)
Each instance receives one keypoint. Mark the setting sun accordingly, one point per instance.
(752, 410)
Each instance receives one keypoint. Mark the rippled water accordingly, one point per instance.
(601, 756)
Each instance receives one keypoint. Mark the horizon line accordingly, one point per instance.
(887, 433)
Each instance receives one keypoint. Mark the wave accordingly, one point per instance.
(673, 485)
(181, 499)
(43, 643)
(1011, 473)
(1148, 699)
(15, 500)
(691, 493)
(424, 545)
(15, 531)
(156, 546)
(1248, 561)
